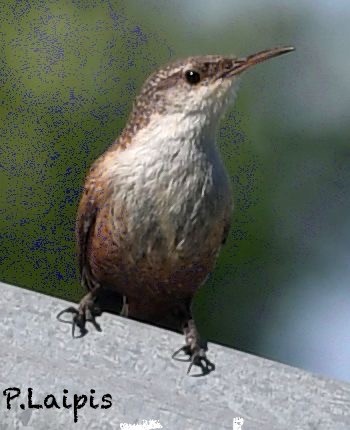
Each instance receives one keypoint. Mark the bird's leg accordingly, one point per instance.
(87, 311)
(125, 309)
(195, 347)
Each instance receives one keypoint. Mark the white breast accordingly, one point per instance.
(173, 185)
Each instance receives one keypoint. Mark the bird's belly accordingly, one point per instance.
(168, 224)
(172, 226)
(160, 265)
(168, 246)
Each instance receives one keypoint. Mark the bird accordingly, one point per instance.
(156, 205)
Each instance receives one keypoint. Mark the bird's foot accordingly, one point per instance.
(195, 351)
(87, 311)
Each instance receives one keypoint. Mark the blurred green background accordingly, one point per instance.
(68, 74)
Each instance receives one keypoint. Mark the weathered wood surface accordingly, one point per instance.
(131, 362)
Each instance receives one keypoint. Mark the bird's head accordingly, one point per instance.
(197, 89)
(203, 84)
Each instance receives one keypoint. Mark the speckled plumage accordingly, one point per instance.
(157, 204)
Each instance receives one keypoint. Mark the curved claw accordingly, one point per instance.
(196, 358)
(87, 311)
(79, 320)
(71, 309)
(186, 349)
(200, 359)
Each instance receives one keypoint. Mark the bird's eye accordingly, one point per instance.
(192, 77)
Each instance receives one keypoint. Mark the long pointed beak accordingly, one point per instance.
(241, 64)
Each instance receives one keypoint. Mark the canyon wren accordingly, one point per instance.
(156, 206)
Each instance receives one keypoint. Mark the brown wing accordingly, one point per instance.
(91, 202)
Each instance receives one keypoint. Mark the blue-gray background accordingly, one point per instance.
(69, 71)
